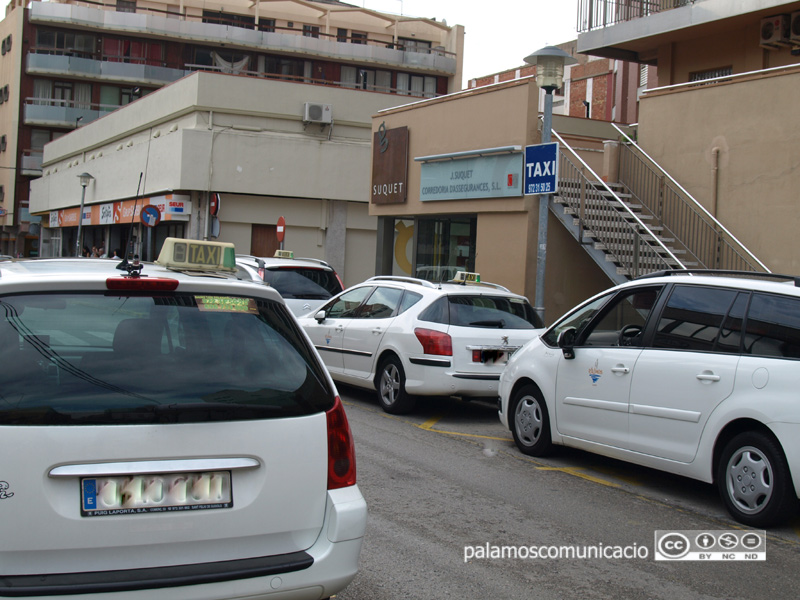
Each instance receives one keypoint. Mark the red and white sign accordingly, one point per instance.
(281, 229)
(213, 206)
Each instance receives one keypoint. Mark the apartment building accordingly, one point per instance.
(67, 64)
(597, 88)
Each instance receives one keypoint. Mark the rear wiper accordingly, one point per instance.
(498, 323)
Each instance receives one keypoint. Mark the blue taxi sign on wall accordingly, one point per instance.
(541, 169)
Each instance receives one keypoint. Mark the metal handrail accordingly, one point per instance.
(650, 240)
(737, 246)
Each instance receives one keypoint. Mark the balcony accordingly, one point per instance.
(47, 112)
(120, 72)
(32, 163)
(436, 61)
(633, 30)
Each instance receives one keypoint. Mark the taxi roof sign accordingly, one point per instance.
(197, 255)
(465, 276)
(284, 254)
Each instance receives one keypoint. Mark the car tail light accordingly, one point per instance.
(434, 342)
(477, 356)
(341, 449)
(142, 284)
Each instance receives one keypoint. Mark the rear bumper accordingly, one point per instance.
(426, 379)
(323, 570)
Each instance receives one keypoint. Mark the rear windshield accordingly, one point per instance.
(307, 283)
(499, 312)
(72, 359)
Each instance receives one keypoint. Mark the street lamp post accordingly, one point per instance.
(550, 62)
(85, 179)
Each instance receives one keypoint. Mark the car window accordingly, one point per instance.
(501, 312)
(344, 307)
(437, 312)
(577, 319)
(116, 359)
(622, 321)
(409, 300)
(381, 303)
(692, 318)
(303, 282)
(773, 326)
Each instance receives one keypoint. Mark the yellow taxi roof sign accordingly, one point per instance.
(465, 276)
(283, 254)
(197, 255)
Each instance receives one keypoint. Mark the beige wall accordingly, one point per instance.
(755, 124)
(10, 65)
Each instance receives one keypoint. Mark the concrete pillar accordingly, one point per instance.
(610, 172)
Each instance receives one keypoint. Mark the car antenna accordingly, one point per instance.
(134, 268)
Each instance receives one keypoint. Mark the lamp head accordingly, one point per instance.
(550, 62)
(85, 179)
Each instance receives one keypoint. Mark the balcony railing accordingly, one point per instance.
(263, 37)
(63, 113)
(129, 72)
(597, 14)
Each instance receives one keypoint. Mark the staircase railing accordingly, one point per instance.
(708, 241)
(624, 236)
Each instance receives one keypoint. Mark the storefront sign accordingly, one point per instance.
(172, 207)
(390, 165)
(466, 178)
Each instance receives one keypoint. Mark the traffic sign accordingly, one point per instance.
(150, 216)
(281, 229)
(541, 169)
(213, 207)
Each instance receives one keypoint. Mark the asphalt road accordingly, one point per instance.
(446, 487)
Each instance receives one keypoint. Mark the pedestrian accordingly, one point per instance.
(86, 252)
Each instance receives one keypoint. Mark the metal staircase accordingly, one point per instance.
(645, 222)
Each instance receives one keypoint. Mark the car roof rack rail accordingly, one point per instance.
(400, 278)
(724, 273)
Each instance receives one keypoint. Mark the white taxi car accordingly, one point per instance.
(303, 283)
(691, 373)
(407, 337)
(173, 434)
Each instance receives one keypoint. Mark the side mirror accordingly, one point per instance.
(566, 341)
(320, 316)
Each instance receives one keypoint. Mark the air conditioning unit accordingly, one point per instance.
(794, 29)
(314, 112)
(775, 31)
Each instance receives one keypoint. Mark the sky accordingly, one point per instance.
(498, 34)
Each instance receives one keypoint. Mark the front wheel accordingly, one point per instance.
(391, 384)
(530, 424)
(754, 480)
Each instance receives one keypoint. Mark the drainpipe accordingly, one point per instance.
(714, 179)
(714, 199)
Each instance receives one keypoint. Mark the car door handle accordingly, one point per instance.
(376, 331)
(621, 369)
(339, 329)
(707, 376)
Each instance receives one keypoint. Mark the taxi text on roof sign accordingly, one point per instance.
(197, 255)
(463, 276)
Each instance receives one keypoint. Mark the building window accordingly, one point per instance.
(222, 60)
(341, 35)
(222, 18)
(310, 31)
(126, 6)
(267, 25)
(64, 43)
(413, 45)
(643, 71)
(358, 37)
(444, 246)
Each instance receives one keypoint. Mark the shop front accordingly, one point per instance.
(447, 188)
(116, 227)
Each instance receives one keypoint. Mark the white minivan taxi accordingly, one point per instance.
(167, 431)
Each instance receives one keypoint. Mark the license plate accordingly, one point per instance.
(162, 492)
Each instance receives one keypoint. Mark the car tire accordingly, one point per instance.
(391, 386)
(530, 422)
(754, 480)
